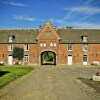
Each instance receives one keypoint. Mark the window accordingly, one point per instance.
(26, 47)
(69, 47)
(10, 47)
(51, 44)
(85, 38)
(44, 44)
(26, 58)
(41, 44)
(10, 38)
(85, 47)
(84, 58)
(54, 44)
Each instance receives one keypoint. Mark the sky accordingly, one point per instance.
(61, 13)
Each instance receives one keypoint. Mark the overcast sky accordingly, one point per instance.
(62, 13)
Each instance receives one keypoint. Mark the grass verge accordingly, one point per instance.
(14, 72)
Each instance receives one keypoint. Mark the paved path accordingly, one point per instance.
(46, 83)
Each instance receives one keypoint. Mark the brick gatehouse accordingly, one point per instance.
(69, 46)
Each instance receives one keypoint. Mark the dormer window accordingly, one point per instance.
(10, 38)
(85, 38)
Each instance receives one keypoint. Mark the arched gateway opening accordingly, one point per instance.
(48, 58)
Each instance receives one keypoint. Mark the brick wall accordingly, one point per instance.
(77, 53)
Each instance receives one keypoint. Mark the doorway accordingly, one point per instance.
(48, 58)
(70, 61)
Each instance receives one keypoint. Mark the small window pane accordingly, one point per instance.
(10, 47)
(69, 47)
(26, 57)
(44, 44)
(41, 44)
(84, 58)
(26, 47)
(51, 44)
(85, 47)
(54, 44)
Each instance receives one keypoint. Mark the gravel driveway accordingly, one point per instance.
(47, 83)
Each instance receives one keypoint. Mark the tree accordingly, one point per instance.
(69, 27)
(18, 53)
(48, 56)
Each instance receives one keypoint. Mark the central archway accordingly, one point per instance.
(48, 58)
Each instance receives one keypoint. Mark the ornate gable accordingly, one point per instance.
(48, 31)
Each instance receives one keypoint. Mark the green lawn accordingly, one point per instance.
(13, 73)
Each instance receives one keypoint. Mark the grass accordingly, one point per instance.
(14, 72)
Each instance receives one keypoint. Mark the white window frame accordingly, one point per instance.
(26, 47)
(41, 44)
(85, 38)
(69, 47)
(85, 47)
(54, 44)
(85, 58)
(26, 58)
(44, 44)
(10, 38)
(51, 44)
(10, 47)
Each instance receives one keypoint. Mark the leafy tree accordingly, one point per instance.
(69, 27)
(18, 53)
(48, 56)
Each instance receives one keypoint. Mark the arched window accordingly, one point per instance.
(41, 44)
(44, 44)
(54, 44)
(51, 44)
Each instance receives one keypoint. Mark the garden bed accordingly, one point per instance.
(91, 83)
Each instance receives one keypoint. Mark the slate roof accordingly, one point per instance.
(67, 35)
(21, 35)
(75, 35)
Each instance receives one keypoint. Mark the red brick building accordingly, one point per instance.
(69, 46)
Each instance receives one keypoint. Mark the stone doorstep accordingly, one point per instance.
(96, 78)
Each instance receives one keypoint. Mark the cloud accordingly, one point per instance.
(85, 10)
(86, 25)
(24, 18)
(90, 2)
(12, 3)
(76, 24)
